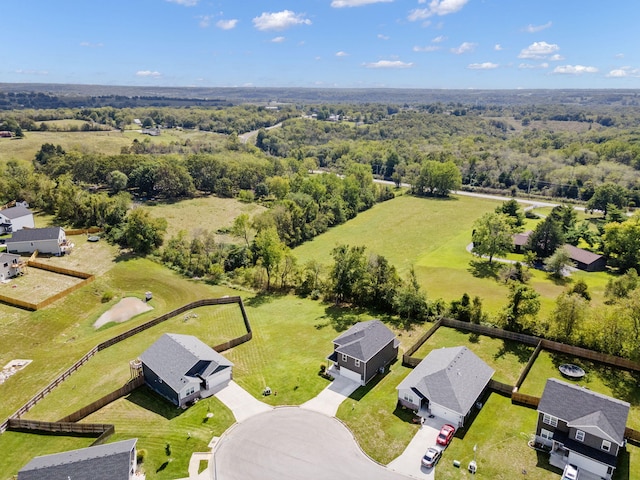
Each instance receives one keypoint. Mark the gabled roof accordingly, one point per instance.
(594, 413)
(521, 239)
(102, 462)
(9, 258)
(581, 255)
(364, 339)
(452, 377)
(182, 359)
(16, 212)
(35, 234)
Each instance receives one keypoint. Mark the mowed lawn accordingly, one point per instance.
(609, 381)
(506, 357)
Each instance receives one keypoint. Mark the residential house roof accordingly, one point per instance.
(35, 234)
(16, 212)
(182, 359)
(101, 462)
(582, 256)
(521, 239)
(589, 411)
(364, 339)
(9, 258)
(452, 377)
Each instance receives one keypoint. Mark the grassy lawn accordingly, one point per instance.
(608, 381)
(506, 357)
(205, 213)
(381, 429)
(37, 285)
(108, 370)
(156, 423)
(500, 431)
(20, 448)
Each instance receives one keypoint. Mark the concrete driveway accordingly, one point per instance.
(292, 443)
(409, 462)
(329, 399)
(240, 402)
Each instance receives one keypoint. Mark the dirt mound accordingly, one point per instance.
(122, 311)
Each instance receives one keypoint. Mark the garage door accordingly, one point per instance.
(446, 414)
(587, 464)
(350, 374)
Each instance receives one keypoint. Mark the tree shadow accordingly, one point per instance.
(623, 467)
(561, 281)
(484, 269)
(149, 400)
(126, 255)
(162, 467)
(342, 317)
(262, 298)
(521, 351)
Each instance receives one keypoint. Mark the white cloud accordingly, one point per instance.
(205, 21)
(556, 58)
(574, 69)
(277, 39)
(186, 3)
(437, 7)
(497, 47)
(464, 48)
(355, 3)
(227, 24)
(619, 55)
(482, 66)
(342, 54)
(147, 73)
(623, 72)
(539, 50)
(383, 37)
(91, 45)
(389, 64)
(531, 66)
(439, 39)
(280, 20)
(32, 72)
(537, 28)
(427, 48)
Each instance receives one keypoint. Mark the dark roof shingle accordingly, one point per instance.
(364, 339)
(35, 234)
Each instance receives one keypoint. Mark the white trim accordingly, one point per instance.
(549, 419)
(546, 434)
(606, 445)
(581, 435)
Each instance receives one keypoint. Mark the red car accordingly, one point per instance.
(445, 435)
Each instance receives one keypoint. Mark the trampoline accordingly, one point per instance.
(572, 371)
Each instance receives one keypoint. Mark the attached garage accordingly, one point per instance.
(446, 414)
(588, 464)
(350, 374)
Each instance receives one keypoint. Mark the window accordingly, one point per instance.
(580, 435)
(606, 445)
(357, 362)
(546, 434)
(344, 357)
(408, 397)
(550, 420)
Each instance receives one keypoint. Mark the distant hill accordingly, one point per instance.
(42, 95)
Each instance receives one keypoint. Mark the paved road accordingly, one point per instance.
(292, 443)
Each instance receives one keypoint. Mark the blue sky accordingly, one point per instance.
(323, 43)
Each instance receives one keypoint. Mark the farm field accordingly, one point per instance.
(614, 382)
(506, 357)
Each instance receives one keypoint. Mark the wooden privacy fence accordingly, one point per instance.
(526, 400)
(603, 358)
(407, 359)
(83, 231)
(129, 333)
(503, 388)
(103, 430)
(527, 367)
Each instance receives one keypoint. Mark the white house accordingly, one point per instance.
(46, 240)
(10, 265)
(16, 218)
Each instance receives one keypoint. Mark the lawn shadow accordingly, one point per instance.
(403, 413)
(360, 392)
(543, 463)
(560, 281)
(342, 317)
(468, 421)
(258, 300)
(484, 269)
(149, 400)
(522, 351)
(623, 467)
(125, 255)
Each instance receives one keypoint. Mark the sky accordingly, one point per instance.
(452, 44)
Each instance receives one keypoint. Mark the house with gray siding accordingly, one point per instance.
(182, 368)
(581, 427)
(447, 383)
(10, 266)
(16, 218)
(112, 461)
(364, 350)
(49, 240)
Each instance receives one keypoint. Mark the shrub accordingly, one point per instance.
(107, 296)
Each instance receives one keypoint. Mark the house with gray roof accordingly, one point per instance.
(15, 218)
(586, 260)
(49, 240)
(182, 368)
(581, 427)
(112, 461)
(10, 266)
(364, 350)
(447, 383)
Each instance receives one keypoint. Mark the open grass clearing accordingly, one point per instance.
(37, 285)
(108, 370)
(203, 214)
(609, 381)
(57, 336)
(506, 357)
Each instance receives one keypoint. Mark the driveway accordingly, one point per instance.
(292, 443)
(408, 462)
(240, 402)
(329, 399)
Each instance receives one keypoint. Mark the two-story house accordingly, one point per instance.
(581, 427)
(363, 351)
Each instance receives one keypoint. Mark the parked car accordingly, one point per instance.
(445, 435)
(431, 457)
(570, 472)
